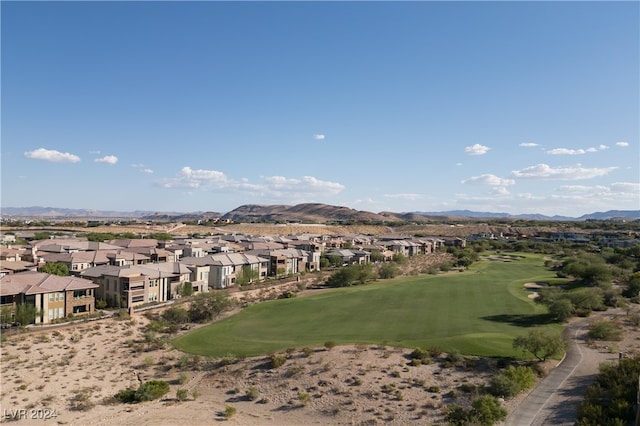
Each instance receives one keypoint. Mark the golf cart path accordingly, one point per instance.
(555, 400)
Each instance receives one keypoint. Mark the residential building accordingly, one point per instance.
(53, 296)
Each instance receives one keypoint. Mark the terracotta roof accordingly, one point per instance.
(39, 282)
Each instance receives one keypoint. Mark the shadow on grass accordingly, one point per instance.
(522, 320)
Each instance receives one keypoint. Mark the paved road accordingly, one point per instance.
(530, 411)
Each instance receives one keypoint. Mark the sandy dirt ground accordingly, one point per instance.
(73, 372)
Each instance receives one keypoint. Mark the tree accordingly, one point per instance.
(55, 268)
(562, 309)
(540, 344)
(632, 286)
(400, 258)
(376, 256)
(26, 314)
(41, 235)
(208, 306)
(184, 289)
(350, 275)
(247, 275)
(389, 270)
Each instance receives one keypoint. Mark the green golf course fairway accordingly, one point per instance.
(476, 312)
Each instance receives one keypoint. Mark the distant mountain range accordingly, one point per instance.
(307, 213)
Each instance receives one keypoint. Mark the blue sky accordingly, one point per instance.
(518, 107)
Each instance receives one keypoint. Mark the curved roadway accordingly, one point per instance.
(532, 410)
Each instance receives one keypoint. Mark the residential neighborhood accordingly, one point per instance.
(131, 273)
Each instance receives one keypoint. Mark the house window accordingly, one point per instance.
(51, 296)
(78, 309)
(60, 313)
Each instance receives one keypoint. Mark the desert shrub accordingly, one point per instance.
(183, 378)
(304, 398)
(512, 381)
(81, 400)
(151, 390)
(456, 415)
(127, 396)
(287, 295)
(610, 401)
(147, 391)
(605, 330)
(176, 315)
(252, 393)
(435, 351)
(487, 410)
(329, 344)
(182, 394)
(229, 411)
(468, 387)
(277, 361)
(421, 355)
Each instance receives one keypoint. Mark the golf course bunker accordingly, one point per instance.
(534, 287)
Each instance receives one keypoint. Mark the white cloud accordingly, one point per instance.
(318, 136)
(529, 144)
(489, 179)
(476, 149)
(278, 185)
(190, 178)
(544, 171)
(500, 190)
(614, 192)
(52, 155)
(109, 159)
(580, 151)
(628, 187)
(458, 164)
(622, 144)
(142, 168)
(566, 151)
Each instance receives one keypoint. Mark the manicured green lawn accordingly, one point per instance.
(477, 312)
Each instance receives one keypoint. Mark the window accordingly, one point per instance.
(78, 309)
(51, 295)
(60, 313)
(52, 312)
